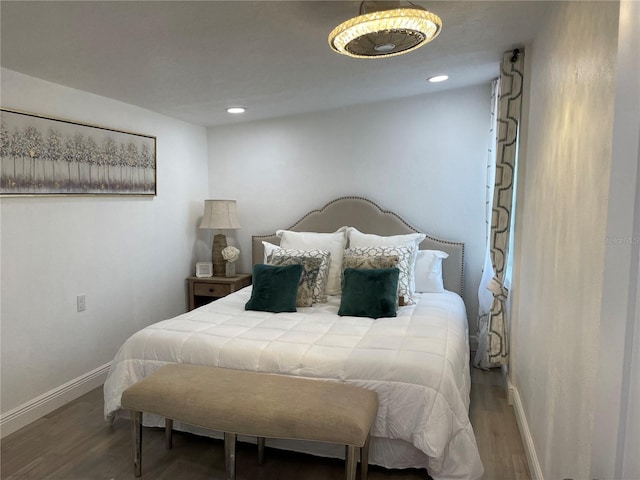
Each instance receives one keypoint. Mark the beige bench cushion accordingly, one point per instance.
(258, 404)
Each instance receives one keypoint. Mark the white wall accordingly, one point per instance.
(561, 232)
(129, 255)
(422, 157)
(616, 433)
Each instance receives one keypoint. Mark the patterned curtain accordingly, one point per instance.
(493, 341)
(485, 297)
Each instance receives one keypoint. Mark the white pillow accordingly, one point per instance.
(404, 264)
(412, 240)
(331, 242)
(428, 271)
(269, 248)
(359, 239)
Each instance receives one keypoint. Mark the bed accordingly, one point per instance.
(417, 361)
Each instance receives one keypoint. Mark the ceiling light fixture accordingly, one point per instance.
(236, 110)
(385, 29)
(438, 78)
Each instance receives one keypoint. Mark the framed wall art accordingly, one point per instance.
(48, 156)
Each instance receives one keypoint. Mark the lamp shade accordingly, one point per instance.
(220, 214)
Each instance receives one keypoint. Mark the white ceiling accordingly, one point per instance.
(191, 60)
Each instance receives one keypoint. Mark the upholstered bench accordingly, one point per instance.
(256, 404)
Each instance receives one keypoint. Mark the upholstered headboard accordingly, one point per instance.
(368, 217)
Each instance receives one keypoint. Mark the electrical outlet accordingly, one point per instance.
(81, 301)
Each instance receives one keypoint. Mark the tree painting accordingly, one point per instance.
(41, 155)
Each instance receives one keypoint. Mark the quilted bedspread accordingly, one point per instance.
(417, 362)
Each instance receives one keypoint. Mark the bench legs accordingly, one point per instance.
(364, 459)
(260, 450)
(351, 461)
(230, 455)
(168, 433)
(136, 430)
(351, 456)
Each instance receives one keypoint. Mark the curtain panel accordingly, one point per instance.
(493, 341)
(485, 298)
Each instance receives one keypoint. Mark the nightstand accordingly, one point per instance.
(205, 290)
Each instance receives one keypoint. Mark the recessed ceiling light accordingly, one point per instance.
(438, 78)
(236, 109)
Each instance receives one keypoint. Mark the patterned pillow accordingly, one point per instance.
(411, 240)
(331, 242)
(308, 279)
(369, 262)
(319, 290)
(405, 265)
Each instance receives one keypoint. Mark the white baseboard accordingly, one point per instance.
(513, 397)
(32, 410)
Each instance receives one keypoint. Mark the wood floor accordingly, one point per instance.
(75, 443)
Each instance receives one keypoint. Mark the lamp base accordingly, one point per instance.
(219, 263)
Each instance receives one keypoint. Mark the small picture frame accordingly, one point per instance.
(204, 269)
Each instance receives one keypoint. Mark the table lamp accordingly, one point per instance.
(220, 215)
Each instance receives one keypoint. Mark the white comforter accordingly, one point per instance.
(418, 363)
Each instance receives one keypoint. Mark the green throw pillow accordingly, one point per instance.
(370, 292)
(275, 288)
